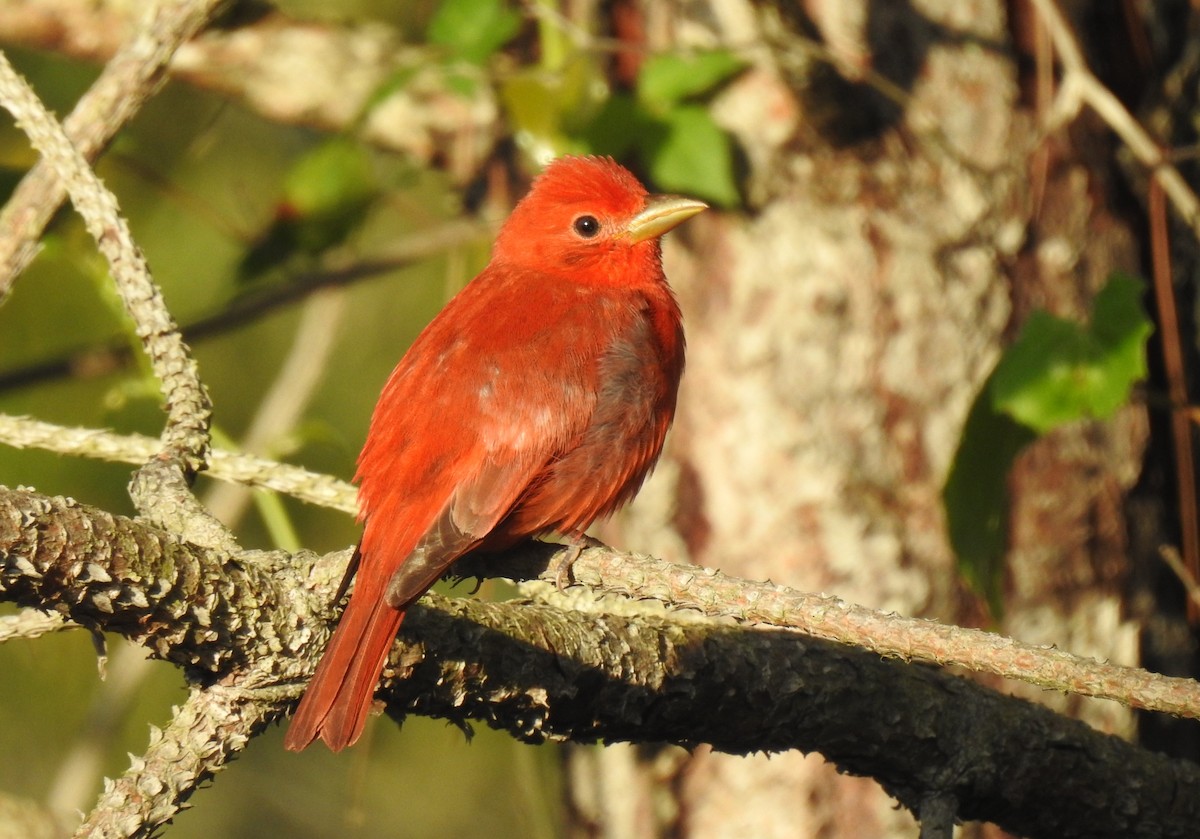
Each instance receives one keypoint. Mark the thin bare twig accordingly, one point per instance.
(1080, 86)
(248, 470)
(1181, 426)
(1190, 584)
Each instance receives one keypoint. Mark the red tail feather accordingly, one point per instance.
(337, 701)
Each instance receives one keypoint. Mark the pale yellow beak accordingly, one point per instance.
(662, 213)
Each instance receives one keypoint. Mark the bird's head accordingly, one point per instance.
(590, 219)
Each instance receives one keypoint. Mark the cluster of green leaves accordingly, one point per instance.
(667, 126)
(1058, 371)
(564, 105)
(472, 30)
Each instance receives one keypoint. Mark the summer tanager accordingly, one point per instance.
(536, 401)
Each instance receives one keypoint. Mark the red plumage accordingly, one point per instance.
(536, 401)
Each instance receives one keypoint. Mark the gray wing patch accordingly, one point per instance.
(443, 543)
(471, 514)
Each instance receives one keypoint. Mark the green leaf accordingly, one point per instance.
(331, 176)
(473, 29)
(1042, 380)
(1059, 371)
(329, 191)
(326, 196)
(617, 127)
(976, 495)
(666, 80)
(1121, 329)
(687, 152)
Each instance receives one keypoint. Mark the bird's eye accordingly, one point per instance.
(586, 226)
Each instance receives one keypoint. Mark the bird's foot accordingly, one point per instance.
(575, 545)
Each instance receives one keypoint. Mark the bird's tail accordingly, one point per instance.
(338, 698)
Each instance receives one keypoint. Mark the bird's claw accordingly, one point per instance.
(562, 571)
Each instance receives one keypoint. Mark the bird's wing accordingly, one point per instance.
(473, 511)
(512, 396)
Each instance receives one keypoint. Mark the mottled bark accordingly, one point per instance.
(839, 334)
(244, 630)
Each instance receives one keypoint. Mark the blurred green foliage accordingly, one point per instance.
(665, 125)
(326, 197)
(1057, 371)
(472, 29)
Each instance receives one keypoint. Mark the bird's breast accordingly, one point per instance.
(632, 383)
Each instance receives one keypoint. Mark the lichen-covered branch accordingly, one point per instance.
(910, 639)
(209, 729)
(31, 623)
(200, 608)
(248, 470)
(541, 673)
(129, 79)
(252, 629)
(160, 488)
(706, 590)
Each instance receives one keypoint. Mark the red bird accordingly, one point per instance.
(536, 401)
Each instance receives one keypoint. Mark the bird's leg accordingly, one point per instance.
(576, 542)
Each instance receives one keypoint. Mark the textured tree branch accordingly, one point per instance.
(715, 594)
(132, 76)
(248, 470)
(160, 488)
(433, 116)
(212, 726)
(541, 673)
(31, 623)
(202, 609)
(705, 590)
(251, 630)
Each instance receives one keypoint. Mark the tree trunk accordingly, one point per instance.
(837, 337)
